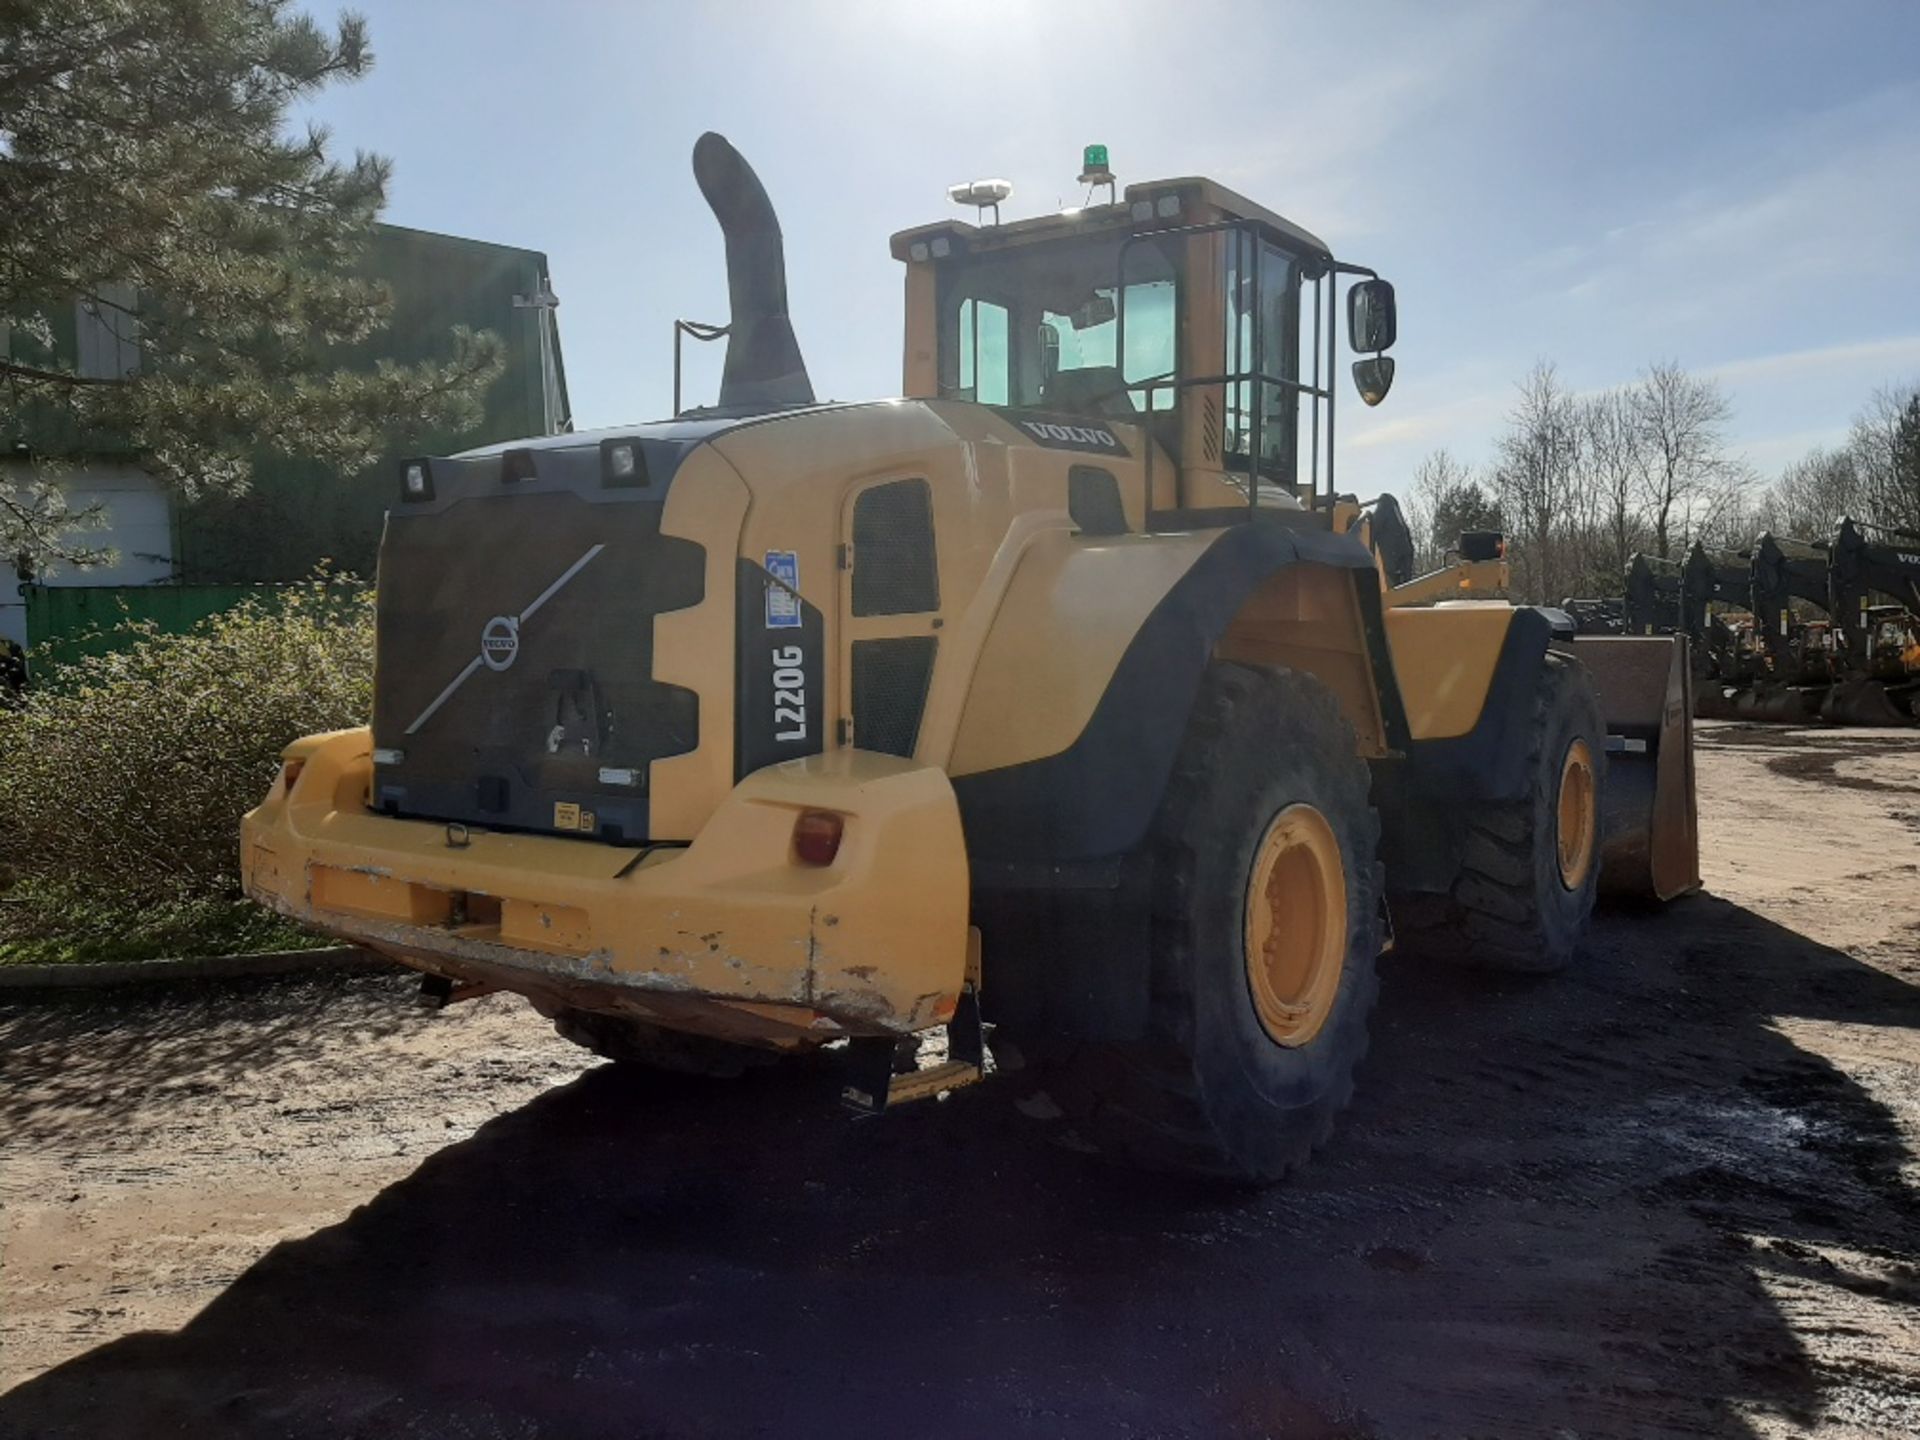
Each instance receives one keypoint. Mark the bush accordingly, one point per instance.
(124, 776)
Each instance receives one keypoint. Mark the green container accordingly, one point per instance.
(76, 620)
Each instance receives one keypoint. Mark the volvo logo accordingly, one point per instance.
(500, 641)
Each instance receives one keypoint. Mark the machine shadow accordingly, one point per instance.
(1566, 1205)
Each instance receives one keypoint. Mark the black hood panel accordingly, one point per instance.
(514, 687)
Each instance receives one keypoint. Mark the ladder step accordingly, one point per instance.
(919, 1084)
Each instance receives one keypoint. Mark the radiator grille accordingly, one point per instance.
(894, 571)
(890, 679)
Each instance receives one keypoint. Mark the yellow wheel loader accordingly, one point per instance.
(1064, 700)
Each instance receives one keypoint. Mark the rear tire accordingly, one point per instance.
(1530, 866)
(1264, 845)
(627, 1041)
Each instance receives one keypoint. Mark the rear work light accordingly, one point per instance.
(623, 464)
(416, 480)
(517, 465)
(816, 836)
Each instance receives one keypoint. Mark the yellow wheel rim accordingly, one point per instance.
(1296, 925)
(1576, 816)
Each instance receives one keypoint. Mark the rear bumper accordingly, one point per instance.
(728, 936)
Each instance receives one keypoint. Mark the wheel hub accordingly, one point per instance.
(1296, 925)
(1576, 815)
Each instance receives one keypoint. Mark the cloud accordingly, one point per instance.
(1895, 354)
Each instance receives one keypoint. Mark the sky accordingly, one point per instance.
(1734, 186)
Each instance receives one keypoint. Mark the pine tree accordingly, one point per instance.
(147, 172)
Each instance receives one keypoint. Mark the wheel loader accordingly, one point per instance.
(1063, 703)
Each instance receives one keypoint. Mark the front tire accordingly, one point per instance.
(1266, 925)
(1529, 867)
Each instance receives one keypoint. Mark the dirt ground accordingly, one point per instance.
(1669, 1193)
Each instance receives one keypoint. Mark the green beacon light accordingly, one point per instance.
(1094, 170)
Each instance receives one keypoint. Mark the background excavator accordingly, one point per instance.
(1879, 643)
(1757, 651)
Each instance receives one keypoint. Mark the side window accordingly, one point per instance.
(983, 352)
(895, 571)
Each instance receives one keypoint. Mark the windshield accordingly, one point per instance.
(1039, 327)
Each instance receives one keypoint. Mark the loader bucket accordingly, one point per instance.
(1649, 828)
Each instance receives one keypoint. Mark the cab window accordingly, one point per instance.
(1040, 327)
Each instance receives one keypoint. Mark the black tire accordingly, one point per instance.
(1509, 908)
(1208, 1091)
(627, 1041)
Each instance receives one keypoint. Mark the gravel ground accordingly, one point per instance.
(1669, 1193)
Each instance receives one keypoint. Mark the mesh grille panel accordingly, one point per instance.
(894, 571)
(890, 679)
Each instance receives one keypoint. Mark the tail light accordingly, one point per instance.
(816, 836)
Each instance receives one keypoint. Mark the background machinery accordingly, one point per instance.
(1791, 630)
(1725, 658)
(1652, 599)
(1879, 643)
(1064, 701)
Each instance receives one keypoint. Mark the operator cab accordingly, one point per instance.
(1180, 307)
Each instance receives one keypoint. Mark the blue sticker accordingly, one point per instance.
(783, 600)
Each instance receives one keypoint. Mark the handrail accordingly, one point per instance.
(699, 330)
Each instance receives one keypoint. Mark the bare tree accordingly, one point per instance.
(1813, 493)
(1538, 459)
(1885, 447)
(1687, 474)
(1434, 480)
(1616, 464)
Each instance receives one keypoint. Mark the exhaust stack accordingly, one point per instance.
(763, 367)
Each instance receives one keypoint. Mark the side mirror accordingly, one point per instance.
(1049, 357)
(1371, 322)
(1373, 378)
